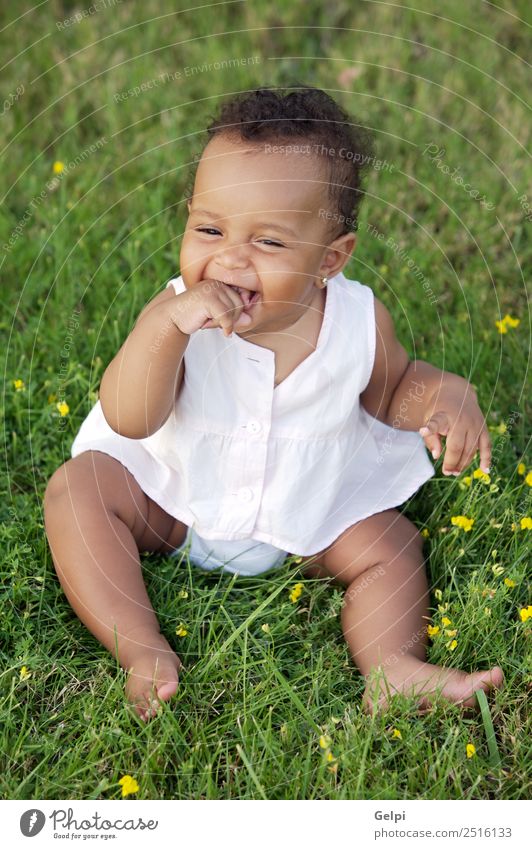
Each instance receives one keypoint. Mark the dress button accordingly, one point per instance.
(245, 494)
(254, 426)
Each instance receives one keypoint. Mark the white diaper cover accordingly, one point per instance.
(246, 557)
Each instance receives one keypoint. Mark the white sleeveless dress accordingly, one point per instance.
(292, 466)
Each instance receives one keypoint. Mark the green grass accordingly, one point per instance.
(252, 706)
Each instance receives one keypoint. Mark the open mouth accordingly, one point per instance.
(249, 298)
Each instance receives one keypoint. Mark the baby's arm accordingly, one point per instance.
(140, 385)
(409, 395)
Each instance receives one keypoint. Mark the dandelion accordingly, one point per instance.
(452, 645)
(24, 673)
(181, 631)
(425, 532)
(129, 785)
(509, 582)
(526, 523)
(58, 167)
(19, 385)
(466, 481)
(470, 750)
(521, 469)
(265, 628)
(525, 613)
(330, 757)
(182, 594)
(325, 741)
(396, 733)
(462, 522)
(296, 592)
(528, 479)
(438, 594)
(478, 473)
(63, 408)
(432, 630)
(445, 621)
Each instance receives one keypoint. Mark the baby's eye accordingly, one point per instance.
(214, 231)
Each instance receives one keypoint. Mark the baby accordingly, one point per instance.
(262, 407)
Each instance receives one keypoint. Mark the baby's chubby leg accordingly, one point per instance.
(97, 520)
(385, 613)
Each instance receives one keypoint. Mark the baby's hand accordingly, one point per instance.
(210, 303)
(460, 420)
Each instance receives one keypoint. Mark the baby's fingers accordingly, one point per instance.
(438, 423)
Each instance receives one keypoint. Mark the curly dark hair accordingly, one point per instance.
(307, 114)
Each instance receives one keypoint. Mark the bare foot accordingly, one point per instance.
(153, 676)
(415, 678)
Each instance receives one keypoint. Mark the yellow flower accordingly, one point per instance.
(19, 384)
(432, 630)
(445, 621)
(63, 408)
(467, 480)
(497, 570)
(509, 582)
(487, 611)
(525, 613)
(181, 631)
(296, 592)
(452, 645)
(397, 733)
(325, 741)
(462, 522)
(182, 594)
(507, 322)
(24, 673)
(265, 628)
(526, 523)
(470, 750)
(451, 633)
(513, 527)
(58, 167)
(425, 532)
(478, 473)
(330, 757)
(528, 479)
(438, 594)
(129, 785)
(443, 607)
(521, 469)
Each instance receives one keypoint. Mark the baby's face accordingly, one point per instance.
(241, 202)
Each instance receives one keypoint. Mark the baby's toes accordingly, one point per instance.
(146, 689)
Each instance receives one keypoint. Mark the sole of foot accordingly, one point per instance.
(430, 684)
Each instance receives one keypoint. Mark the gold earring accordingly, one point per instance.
(324, 281)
